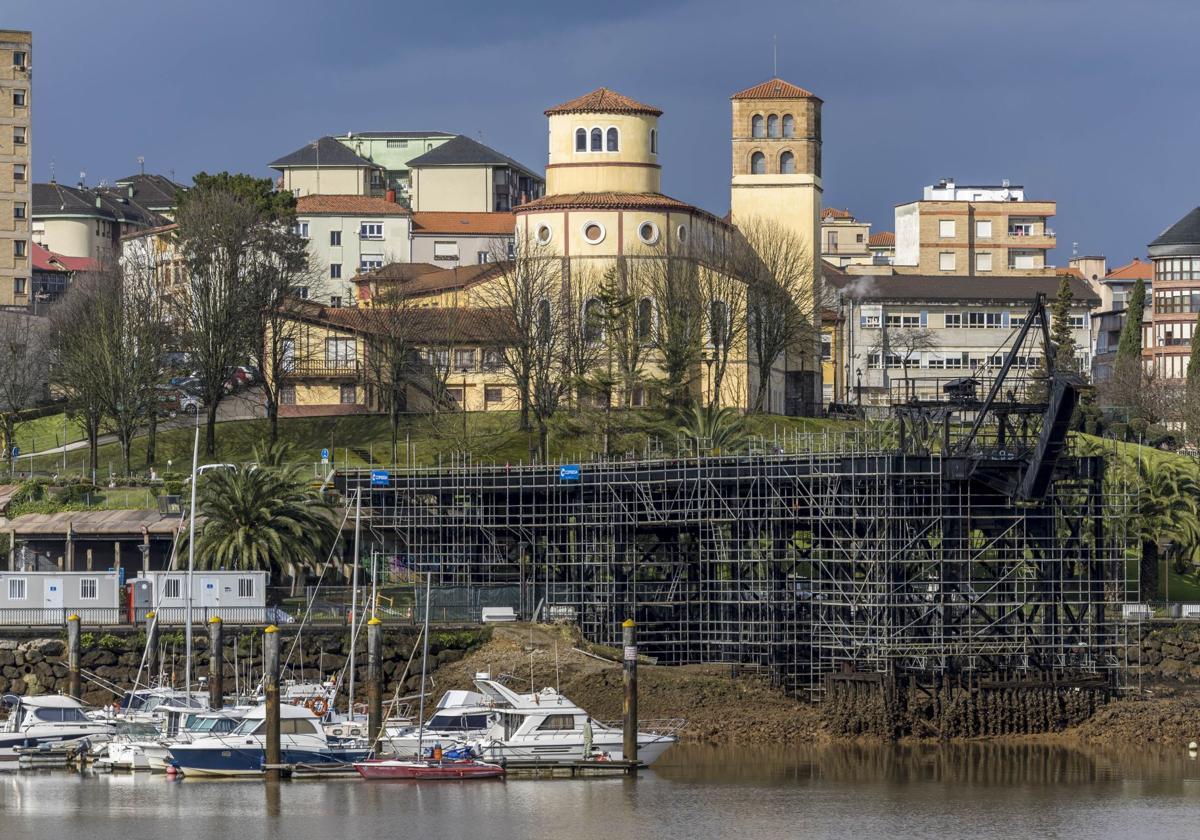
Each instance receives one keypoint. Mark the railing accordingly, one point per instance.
(176, 616)
(321, 367)
(57, 616)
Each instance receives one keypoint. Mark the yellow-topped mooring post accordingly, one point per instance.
(629, 654)
(216, 664)
(271, 693)
(151, 646)
(74, 682)
(374, 679)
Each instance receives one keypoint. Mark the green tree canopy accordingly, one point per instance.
(1060, 328)
(279, 205)
(1130, 344)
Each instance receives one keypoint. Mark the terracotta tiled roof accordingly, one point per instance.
(479, 224)
(610, 201)
(883, 239)
(421, 324)
(1136, 270)
(774, 89)
(834, 213)
(603, 101)
(349, 205)
(46, 260)
(412, 279)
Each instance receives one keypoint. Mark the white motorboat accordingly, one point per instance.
(459, 716)
(48, 719)
(242, 751)
(148, 705)
(180, 725)
(547, 728)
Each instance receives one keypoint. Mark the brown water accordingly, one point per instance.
(872, 793)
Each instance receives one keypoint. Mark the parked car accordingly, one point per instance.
(276, 615)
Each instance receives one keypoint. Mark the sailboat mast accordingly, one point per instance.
(424, 661)
(354, 598)
(187, 624)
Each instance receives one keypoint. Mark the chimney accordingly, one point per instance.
(391, 196)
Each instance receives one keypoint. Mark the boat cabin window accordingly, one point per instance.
(297, 726)
(251, 726)
(456, 723)
(51, 715)
(557, 723)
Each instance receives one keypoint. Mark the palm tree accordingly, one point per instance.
(714, 431)
(1165, 509)
(263, 517)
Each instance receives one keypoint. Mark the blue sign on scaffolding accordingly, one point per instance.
(16, 451)
(568, 472)
(380, 478)
(324, 456)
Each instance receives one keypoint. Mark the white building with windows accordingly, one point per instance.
(234, 597)
(901, 330)
(349, 234)
(50, 597)
(449, 240)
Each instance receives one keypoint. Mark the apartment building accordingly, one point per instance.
(16, 158)
(87, 222)
(394, 150)
(882, 245)
(348, 235)
(844, 239)
(917, 331)
(462, 175)
(449, 240)
(974, 230)
(1167, 336)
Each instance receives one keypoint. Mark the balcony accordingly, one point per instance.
(322, 368)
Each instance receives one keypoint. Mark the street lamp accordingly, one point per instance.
(709, 356)
(858, 386)
(464, 370)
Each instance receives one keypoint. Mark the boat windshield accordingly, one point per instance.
(60, 715)
(250, 726)
(213, 724)
(457, 723)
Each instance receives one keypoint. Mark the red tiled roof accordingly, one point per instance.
(46, 260)
(409, 279)
(349, 205)
(774, 89)
(420, 324)
(1136, 270)
(610, 201)
(883, 239)
(481, 224)
(834, 213)
(603, 101)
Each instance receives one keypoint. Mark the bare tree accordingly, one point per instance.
(391, 357)
(583, 337)
(906, 343)
(678, 337)
(777, 267)
(628, 313)
(77, 369)
(723, 294)
(24, 368)
(524, 291)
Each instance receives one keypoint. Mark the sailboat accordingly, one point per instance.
(457, 764)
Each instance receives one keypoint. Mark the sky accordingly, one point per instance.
(1091, 103)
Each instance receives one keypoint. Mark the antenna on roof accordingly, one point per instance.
(141, 164)
(52, 171)
(1074, 249)
(774, 56)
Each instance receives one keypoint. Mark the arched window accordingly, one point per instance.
(597, 140)
(789, 126)
(593, 321)
(613, 140)
(645, 319)
(758, 164)
(773, 125)
(787, 163)
(756, 126)
(653, 141)
(543, 319)
(717, 327)
(581, 139)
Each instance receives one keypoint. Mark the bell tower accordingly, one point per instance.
(777, 158)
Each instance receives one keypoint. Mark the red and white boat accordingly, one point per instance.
(455, 768)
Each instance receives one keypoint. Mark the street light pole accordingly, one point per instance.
(858, 387)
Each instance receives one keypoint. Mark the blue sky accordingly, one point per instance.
(1092, 104)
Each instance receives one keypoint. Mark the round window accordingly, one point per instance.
(682, 233)
(593, 232)
(543, 234)
(648, 233)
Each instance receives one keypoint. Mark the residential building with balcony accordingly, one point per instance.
(844, 239)
(1167, 338)
(912, 333)
(449, 240)
(462, 175)
(966, 230)
(16, 163)
(882, 246)
(349, 235)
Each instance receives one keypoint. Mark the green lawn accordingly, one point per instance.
(365, 440)
(47, 433)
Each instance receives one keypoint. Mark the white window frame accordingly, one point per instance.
(18, 589)
(245, 587)
(983, 261)
(89, 589)
(983, 228)
(370, 229)
(655, 233)
(370, 262)
(172, 587)
(19, 98)
(543, 229)
(583, 232)
(942, 261)
(946, 228)
(953, 320)
(302, 228)
(446, 249)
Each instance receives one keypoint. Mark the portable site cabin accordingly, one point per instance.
(234, 597)
(50, 597)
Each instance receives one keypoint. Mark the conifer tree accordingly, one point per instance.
(1130, 344)
(1060, 328)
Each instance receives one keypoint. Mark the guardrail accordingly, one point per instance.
(57, 616)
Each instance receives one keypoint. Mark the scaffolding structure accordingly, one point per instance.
(963, 539)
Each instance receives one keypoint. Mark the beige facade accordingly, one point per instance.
(348, 235)
(974, 238)
(16, 165)
(844, 238)
(591, 152)
(328, 180)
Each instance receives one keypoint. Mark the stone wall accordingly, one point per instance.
(38, 665)
(1167, 651)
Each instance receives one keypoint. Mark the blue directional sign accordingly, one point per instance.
(380, 478)
(16, 451)
(324, 454)
(568, 472)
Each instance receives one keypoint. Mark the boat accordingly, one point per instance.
(242, 751)
(461, 764)
(180, 725)
(459, 716)
(48, 719)
(547, 728)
